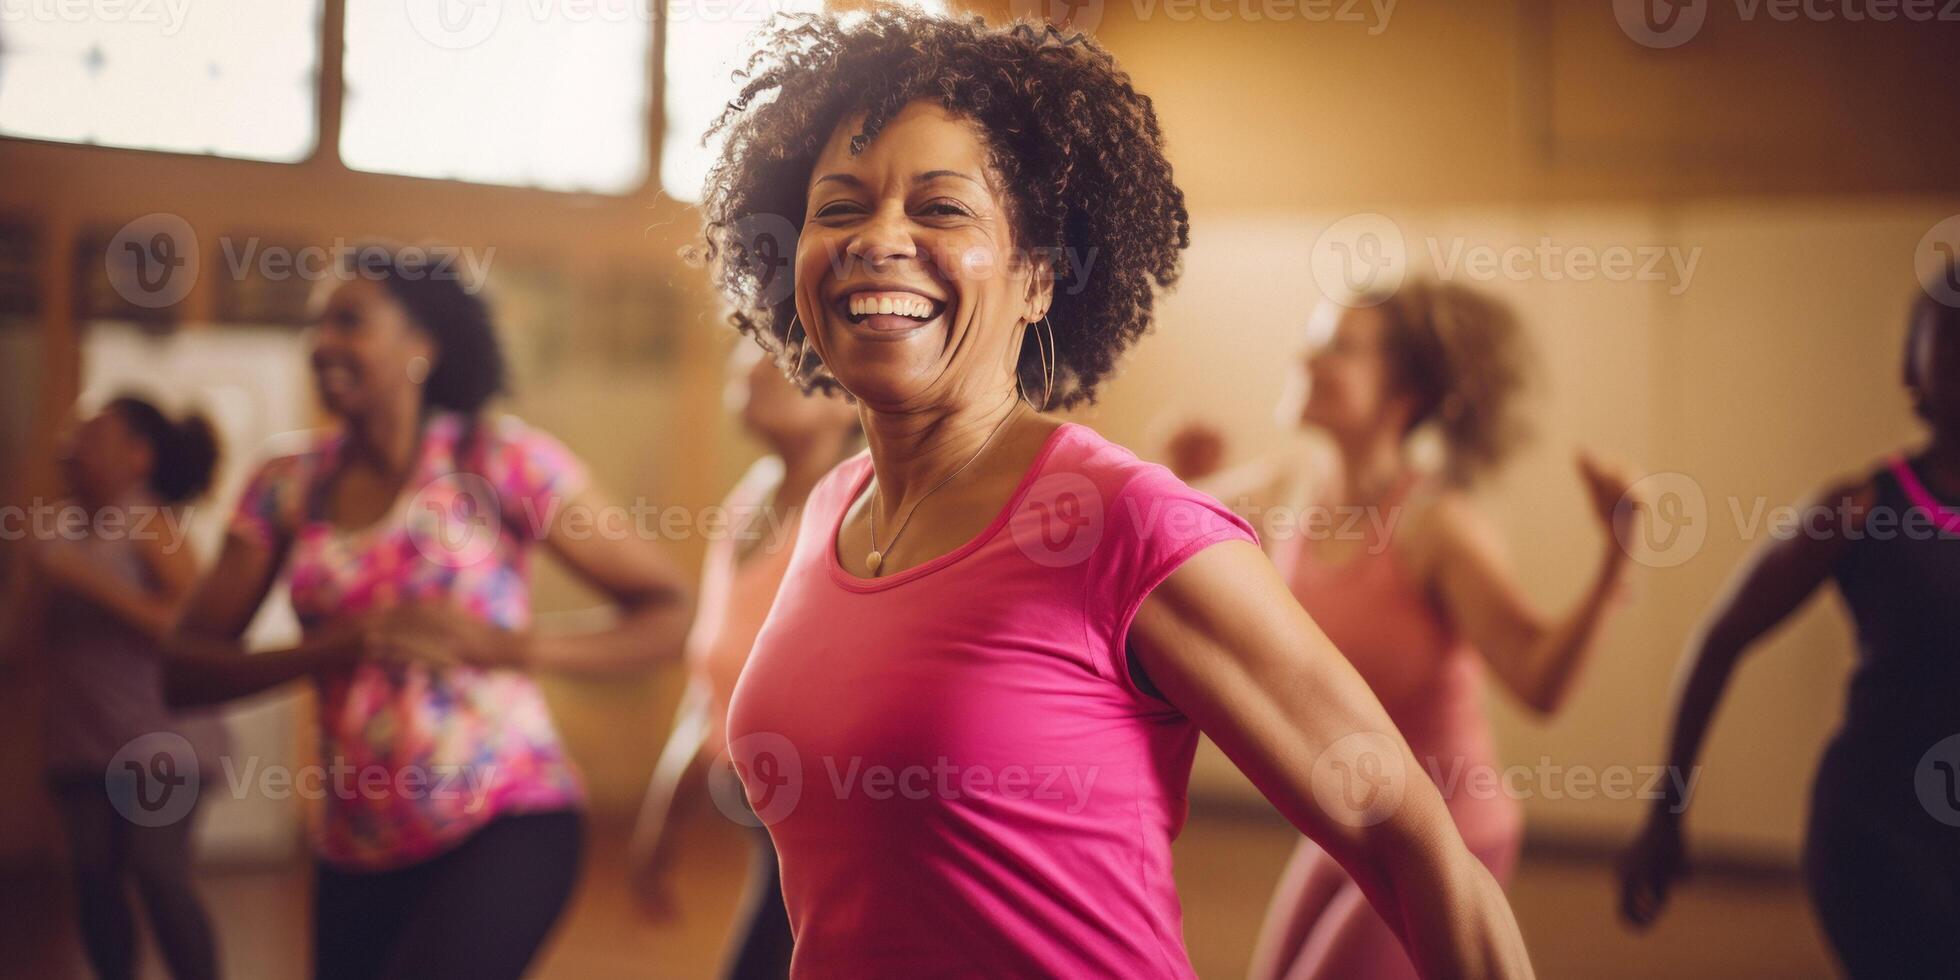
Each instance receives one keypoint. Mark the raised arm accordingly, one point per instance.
(1773, 581)
(1538, 655)
(646, 587)
(150, 612)
(1228, 645)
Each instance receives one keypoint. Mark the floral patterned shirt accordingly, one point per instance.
(416, 758)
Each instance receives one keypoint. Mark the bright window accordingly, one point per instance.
(705, 46)
(535, 93)
(234, 78)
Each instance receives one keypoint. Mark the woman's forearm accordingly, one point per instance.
(1698, 691)
(676, 785)
(1449, 911)
(1560, 652)
(645, 634)
(202, 670)
(146, 612)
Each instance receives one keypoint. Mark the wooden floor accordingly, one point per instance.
(1754, 925)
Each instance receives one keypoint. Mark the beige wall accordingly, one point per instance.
(1773, 370)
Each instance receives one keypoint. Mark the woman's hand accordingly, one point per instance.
(1649, 869)
(650, 875)
(441, 634)
(1194, 450)
(1609, 485)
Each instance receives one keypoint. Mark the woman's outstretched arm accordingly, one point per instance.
(204, 660)
(1537, 655)
(1229, 646)
(1772, 583)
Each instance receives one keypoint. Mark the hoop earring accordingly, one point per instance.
(1046, 349)
(803, 348)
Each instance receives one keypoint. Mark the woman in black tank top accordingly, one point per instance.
(1882, 847)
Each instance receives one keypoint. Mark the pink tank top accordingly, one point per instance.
(958, 771)
(1427, 676)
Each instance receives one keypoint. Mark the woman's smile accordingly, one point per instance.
(879, 313)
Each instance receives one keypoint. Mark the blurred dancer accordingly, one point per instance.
(406, 532)
(1408, 578)
(806, 436)
(1882, 850)
(103, 599)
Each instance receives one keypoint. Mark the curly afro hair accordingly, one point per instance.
(1074, 145)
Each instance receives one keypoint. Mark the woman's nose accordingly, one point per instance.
(885, 237)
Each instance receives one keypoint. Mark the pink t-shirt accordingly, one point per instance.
(958, 771)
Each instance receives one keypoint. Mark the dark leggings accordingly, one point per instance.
(760, 946)
(110, 854)
(1883, 874)
(480, 910)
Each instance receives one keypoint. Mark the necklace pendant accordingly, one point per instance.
(873, 560)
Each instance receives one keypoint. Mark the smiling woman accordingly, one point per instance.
(1005, 602)
(1051, 117)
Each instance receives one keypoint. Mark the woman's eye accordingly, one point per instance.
(944, 209)
(835, 208)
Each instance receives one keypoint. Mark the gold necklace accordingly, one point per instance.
(877, 556)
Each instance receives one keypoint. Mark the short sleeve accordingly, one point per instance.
(535, 475)
(1154, 524)
(270, 506)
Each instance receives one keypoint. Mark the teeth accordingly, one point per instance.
(866, 304)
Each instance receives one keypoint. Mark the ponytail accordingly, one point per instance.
(185, 451)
